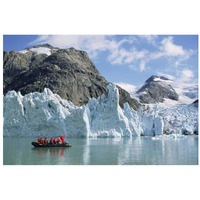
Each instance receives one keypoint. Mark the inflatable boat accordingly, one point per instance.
(64, 144)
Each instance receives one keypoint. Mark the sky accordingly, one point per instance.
(127, 60)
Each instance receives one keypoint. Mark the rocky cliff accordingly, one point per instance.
(67, 72)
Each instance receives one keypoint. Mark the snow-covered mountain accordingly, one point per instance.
(156, 89)
(163, 91)
(47, 114)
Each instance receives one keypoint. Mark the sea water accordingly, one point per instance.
(104, 151)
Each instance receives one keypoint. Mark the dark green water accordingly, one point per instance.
(101, 151)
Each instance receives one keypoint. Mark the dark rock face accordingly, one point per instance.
(13, 64)
(67, 72)
(155, 90)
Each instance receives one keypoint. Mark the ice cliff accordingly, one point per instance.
(47, 114)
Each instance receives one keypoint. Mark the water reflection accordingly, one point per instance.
(102, 151)
(54, 152)
(52, 155)
(86, 152)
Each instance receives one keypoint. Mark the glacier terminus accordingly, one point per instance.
(47, 114)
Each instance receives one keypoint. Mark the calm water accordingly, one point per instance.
(136, 151)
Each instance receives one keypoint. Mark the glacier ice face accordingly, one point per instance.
(35, 113)
(180, 119)
(46, 114)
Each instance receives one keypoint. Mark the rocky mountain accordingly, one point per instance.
(67, 72)
(15, 62)
(156, 89)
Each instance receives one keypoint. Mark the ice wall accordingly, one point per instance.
(46, 114)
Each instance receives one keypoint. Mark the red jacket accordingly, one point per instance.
(51, 141)
(45, 141)
(59, 141)
(62, 138)
(38, 140)
(41, 141)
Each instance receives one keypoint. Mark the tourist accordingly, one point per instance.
(45, 141)
(51, 141)
(62, 137)
(55, 140)
(41, 140)
(59, 141)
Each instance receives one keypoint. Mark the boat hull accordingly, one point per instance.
(36, 144)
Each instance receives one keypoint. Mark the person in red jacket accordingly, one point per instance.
(55, 140)
(45, 141)
(59, 141)
(51, 141)
(62, 137)
(41, 141)
(38, 140)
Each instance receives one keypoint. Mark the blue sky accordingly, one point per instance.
(127, 59)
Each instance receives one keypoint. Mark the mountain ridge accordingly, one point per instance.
(67, 72)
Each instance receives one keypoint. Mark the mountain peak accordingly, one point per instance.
(156, 89)
(43, 45)
(156, 78)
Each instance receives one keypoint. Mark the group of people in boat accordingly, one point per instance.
(59, 140)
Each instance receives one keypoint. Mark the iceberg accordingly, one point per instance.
(46, 114)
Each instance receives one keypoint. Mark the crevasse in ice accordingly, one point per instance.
(47, 114)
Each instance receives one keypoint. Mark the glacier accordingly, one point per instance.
(46, 114)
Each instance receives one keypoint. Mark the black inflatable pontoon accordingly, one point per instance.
(64, 144)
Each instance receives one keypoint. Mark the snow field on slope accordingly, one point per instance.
(38, 50)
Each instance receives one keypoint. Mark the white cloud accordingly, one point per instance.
(40, 39)
(128, 87)
(118, 53)
(187, 74)
(166, 75)
(151, 39)
(119, 56)
(170, 49)
(183, 76)
(166, 49)
(177, 63)
(142, 66)
(185, 81)
(176, 54)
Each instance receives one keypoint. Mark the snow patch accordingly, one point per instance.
(42, 50)
(38, 50)
(23, 51)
